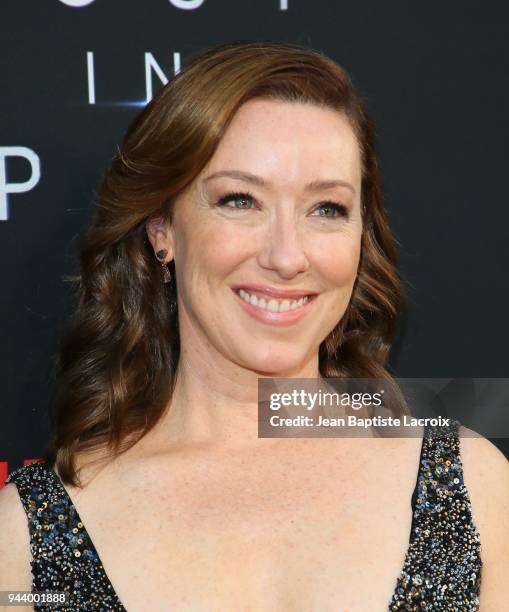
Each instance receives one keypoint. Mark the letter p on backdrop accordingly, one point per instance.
(5, 187)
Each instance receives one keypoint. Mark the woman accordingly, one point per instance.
(241, 234)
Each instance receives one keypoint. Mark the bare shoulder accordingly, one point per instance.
(486, 476)
(485, 468)
(15, 571)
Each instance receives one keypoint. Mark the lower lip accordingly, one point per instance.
(276, 318)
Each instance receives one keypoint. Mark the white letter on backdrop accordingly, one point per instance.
(77, 3)
(5, 187)
(187, 5)
(151, 64)
(91, 77)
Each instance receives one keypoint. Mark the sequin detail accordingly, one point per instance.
(441, 571)
(442, 567)
(63, 555)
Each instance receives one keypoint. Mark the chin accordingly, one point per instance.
(275, 364)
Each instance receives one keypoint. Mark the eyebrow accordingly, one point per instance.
(257, 180)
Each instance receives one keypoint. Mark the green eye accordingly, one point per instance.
(332, 210)
(242, 201)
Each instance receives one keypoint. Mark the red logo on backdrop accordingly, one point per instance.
(4, 469)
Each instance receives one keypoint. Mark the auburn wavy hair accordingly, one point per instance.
(118, 356)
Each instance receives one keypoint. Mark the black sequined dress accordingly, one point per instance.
(441, 569)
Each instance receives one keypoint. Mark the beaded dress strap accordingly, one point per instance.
(442, 568)
(64, 557)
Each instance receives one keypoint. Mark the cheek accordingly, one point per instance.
(336, 258)
(211, 247)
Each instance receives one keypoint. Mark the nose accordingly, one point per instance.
(282, 249)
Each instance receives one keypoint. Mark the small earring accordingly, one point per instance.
(166, 273)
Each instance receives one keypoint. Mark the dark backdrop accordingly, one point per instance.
(434, 76)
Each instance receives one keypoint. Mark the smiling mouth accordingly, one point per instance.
(272, 304)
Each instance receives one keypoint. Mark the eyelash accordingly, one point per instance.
(340, 208)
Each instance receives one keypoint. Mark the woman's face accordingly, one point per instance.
(273, 217)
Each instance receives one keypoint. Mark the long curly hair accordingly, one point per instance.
(118, 356)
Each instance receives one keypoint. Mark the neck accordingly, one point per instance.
(215, 403)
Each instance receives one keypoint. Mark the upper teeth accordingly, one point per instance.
(272, 304)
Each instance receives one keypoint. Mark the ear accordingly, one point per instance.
(160, 234)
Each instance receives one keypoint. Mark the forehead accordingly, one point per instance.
(289, 141)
